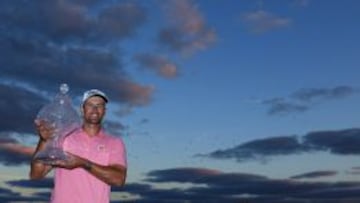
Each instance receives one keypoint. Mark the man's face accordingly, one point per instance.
(94, 110)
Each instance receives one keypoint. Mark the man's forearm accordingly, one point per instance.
(38, 169)
(112, 175)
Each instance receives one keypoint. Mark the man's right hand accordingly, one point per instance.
(44, 129)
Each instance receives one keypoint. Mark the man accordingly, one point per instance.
(96, 160)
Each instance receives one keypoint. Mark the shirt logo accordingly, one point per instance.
(101, 148)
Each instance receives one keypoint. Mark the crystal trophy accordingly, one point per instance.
(60, 116)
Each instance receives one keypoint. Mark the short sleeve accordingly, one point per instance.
(118, 152)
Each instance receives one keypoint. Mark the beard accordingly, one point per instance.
(93, 119)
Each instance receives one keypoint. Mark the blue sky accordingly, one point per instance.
(234, 100)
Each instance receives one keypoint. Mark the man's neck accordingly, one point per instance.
(92, 129)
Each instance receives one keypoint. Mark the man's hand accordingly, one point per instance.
(72, 161)
(44, 129)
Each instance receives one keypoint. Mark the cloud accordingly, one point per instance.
(12, 153)
(79, 42)
(315, 174)
(46, 183)
(22, 101)
(45, 67)
(187, 31)
(168, 175)
(159, 64)
(205, 184)
(281, 106)
(311, 94)
(7, 195)
(304, 99)
(339, 142)
(261, 21)
(73, 20)
(6, 191)
(208, 184)
(261, 149)
(47, 43)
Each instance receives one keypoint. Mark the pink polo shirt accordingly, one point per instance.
(78, 185)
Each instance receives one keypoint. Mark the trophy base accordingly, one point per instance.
(50, 155)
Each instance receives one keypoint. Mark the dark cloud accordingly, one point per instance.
(207, 185)
(261, 149)
(311, 94)
(281, 106)
(79, 42)
(46, 183)
(339, 142)
(132, 188)
(45, 67)
(75, 21)
(11, 158)
(45, 43)
(12, 153)
(7, 191)
(219, 185)
(304, 99)
(19, 106)
(7, 195)
(11, 198)
(315, 174)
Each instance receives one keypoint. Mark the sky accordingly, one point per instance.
(232, 101)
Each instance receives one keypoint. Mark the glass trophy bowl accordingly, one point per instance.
(60, 116)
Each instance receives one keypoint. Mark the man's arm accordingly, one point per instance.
(112, 174)
(38, 169)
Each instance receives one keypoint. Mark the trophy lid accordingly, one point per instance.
(64, 88)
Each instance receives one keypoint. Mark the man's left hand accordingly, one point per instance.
(72, 161)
